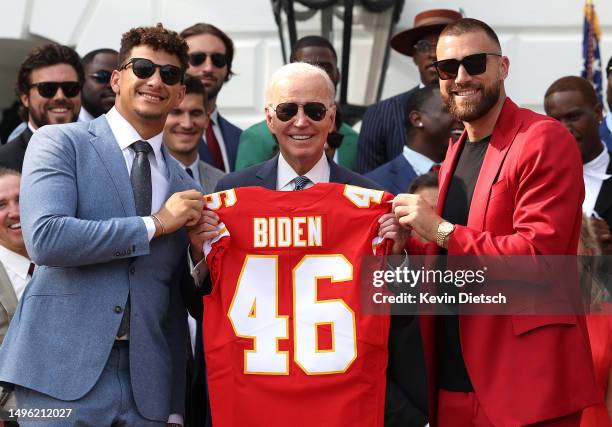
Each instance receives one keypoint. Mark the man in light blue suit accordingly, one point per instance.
(100, 333)
(428, 128)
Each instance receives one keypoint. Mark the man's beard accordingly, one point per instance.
(470, 111)
(43, 119)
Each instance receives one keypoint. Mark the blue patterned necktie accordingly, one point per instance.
(300, 182)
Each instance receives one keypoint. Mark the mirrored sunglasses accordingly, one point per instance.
(424, 46)
(219, 60)
(49, 89)
(474, 65)
(287, 110)
(145, 68)
(102, 76)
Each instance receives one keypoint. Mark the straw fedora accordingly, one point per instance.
(425, 23)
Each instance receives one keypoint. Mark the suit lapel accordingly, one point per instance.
(104, 143)
(267, 173)
(506, 129)
(402, 173)
(8, 299)
(604, 198)
(175, 180)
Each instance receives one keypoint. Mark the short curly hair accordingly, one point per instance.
(157, 38)
(46, 56)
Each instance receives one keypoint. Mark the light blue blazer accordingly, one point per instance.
(81, 229)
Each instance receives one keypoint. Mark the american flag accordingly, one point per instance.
(591, 68)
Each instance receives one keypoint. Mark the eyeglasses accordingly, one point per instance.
(49, 89)
(219, 60)
(425, 46)
(102, 76)
(145, 68)
(287, 110)
(474, 65)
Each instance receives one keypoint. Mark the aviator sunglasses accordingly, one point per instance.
(219, 60)
(474, 65)
(145, 68)
(101, 76)
(49, 89)
(313, 110)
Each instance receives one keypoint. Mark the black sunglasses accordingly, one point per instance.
(102, 76)
(145, 68)
(219, 60)
(287, 110)
(474, 64)
(49, 89)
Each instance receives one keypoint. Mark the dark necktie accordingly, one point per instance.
(435, 167)
(140, 178)
(300, 182)
(213, 147)
(189, 172)
(31, 269)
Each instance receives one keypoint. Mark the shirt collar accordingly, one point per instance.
(84, 115)
(319, 172)
(609, 120)
(15, 262)
(126, 135)
(214, 116)
(420, 163)
(598, 166)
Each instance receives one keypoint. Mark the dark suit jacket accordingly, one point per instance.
(603, 204)
(394, 176)
(383, 132)
(231, 138)
(13, 152)
(402, 408)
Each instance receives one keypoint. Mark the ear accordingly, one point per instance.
(505, 66)
(25, 99)
(269, 118)
(415, 119)
(180, 95)
(332, 118)
(599, 112)
(115, 81)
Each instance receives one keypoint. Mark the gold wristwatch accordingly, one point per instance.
(445, 228)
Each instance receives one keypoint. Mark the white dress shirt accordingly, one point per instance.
(16, 267)
(594, 174)
(214, 122)
(285, 174)
(420, 163)
(126, 135)
(84, 115)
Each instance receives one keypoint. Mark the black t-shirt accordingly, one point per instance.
(453, 373)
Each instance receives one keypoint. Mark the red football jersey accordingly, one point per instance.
(284, 340)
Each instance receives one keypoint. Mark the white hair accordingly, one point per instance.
(295, 69)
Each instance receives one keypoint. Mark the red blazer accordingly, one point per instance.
(527, 201)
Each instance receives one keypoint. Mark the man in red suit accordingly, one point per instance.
(511, 185)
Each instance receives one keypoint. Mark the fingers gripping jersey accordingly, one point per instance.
(285, 341)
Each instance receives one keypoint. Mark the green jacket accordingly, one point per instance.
(257, 145)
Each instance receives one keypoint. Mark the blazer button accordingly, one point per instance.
(132, 270)
(118, 309)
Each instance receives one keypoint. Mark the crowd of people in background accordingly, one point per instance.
(474, 174)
